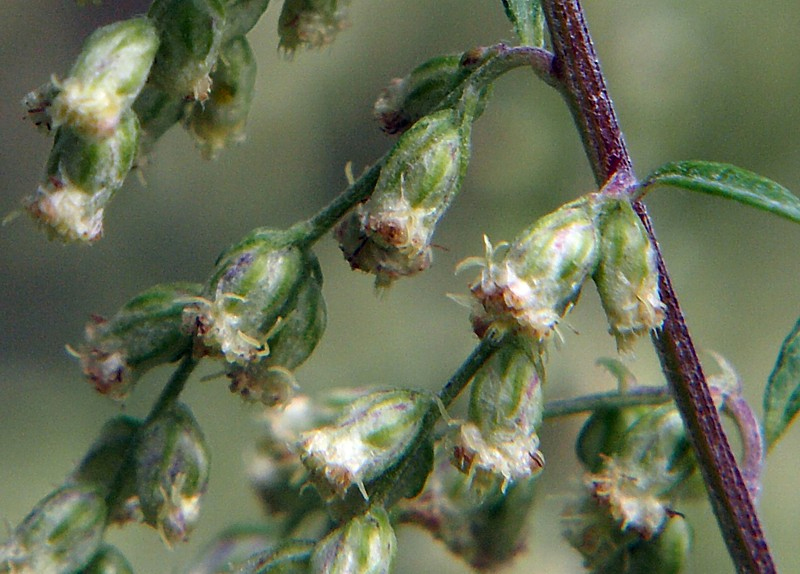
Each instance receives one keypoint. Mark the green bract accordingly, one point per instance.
(242, 15)
(220, 120)
(147, 331)
(108, 560)
(627, 276)
(81, 176)
(158, 111)
(172, 466)
(106, 78)
(191, 36)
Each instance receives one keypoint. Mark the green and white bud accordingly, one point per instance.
(311, 23)
(220, 120)
(101, 465)
(498, 443)
(390, 235)
(191, 37)
(107, 77)
(61, 534)
(406, 100)
(371, 437)
(270, 378)
(108, 560)
(253, 290)
(242, 15)
(38, 106)
(627, 276)
(80, 178)
(538, 278)
(364, 544)
(158, 111)
(146, 332)
(172, 468)
(290, 557)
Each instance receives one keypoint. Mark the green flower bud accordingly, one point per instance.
(538, 278)
(363, 545)
(221, 119)
(158, 111)
(147, 331)
(101, 465)
(108, 560)
(61, 534)
(368, 439)
(627, 276)
(390, 234)
(608, 550)
(254, 285)
(499, 439)
(172, 466)
(602, 435)
(233, 546)
(242, 15)
(38, 106)
(107, 77)
(80, 178)
(191, 36)
(290, 557)
(311, 23)
(270, 378)
(406, 100)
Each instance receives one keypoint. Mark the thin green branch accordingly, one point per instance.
(615, 399)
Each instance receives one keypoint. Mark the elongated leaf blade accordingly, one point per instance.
(528, 21)
(728, 181)
(782, 395)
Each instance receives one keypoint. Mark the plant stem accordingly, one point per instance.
(614, 399)
(174, 387)
(585, 91)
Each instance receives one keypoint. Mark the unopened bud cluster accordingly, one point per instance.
(311, 23)
(624, 515)
(390, 234)
(498, 444)
(262, 312)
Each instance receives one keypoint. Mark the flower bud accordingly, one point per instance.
(242, 15)
(191, 36)
(147, 331)
(499, 439)
(221, 119)
(106, 78)
(231, 547)
(606, 548)
(38, 106)
(539, 277)
(602, 434)
(108, 560)
(311, 23)
(61, 534)
(290, 557)
(158, 111)
(424, 91)
(390, 234)
(363, 545)
(80, 178)
(370, 438)
(254, 285)
(172, 466)
(270, 378)
(101, 465)
(627, 276)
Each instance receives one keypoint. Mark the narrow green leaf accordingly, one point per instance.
(730, 182)
(782, 395)
(528, 21)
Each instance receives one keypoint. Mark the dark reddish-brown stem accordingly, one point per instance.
(577, 68)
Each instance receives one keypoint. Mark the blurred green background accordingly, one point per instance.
(691, 80)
